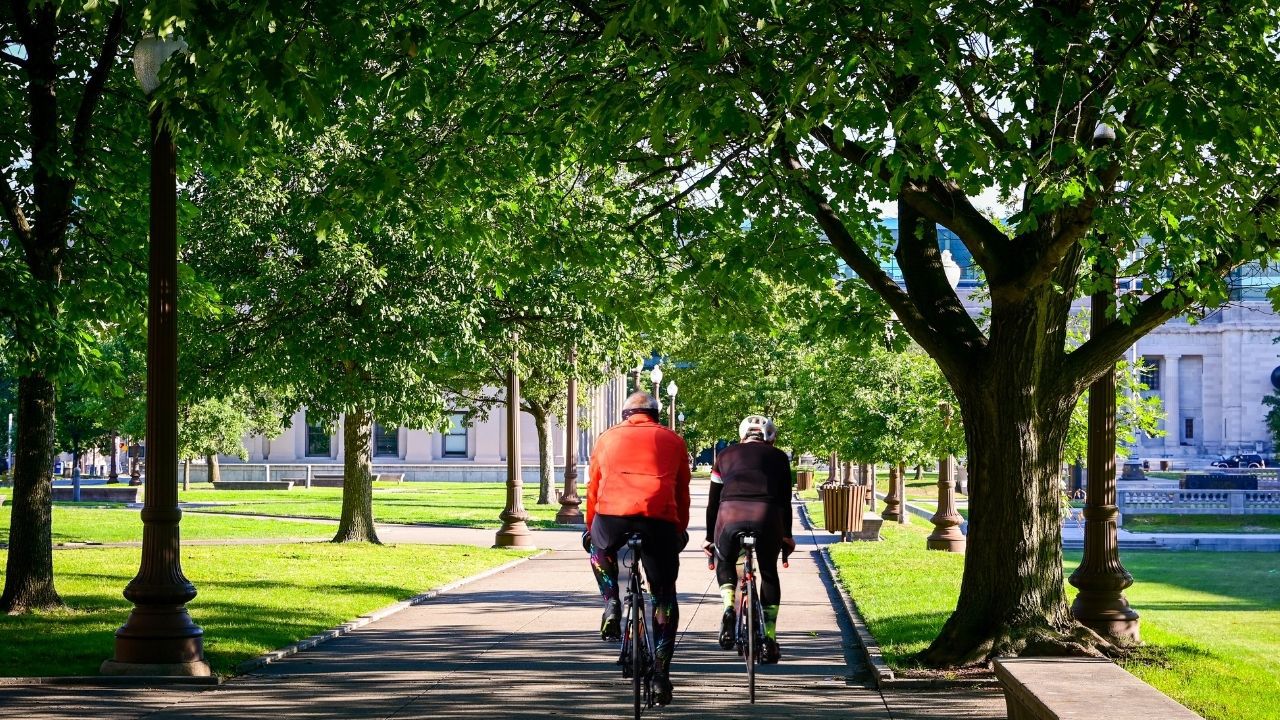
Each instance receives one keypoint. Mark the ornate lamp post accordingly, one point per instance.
(159, 638)
(672, 389)
(946, 521)
(514, 532)
(1100, 577)
(569, 501)
(639, 368)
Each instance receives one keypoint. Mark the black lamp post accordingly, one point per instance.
(160, 638)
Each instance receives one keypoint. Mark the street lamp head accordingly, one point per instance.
(1104, 135)
(672, 389)
(656, 375)
(680, 417)
(149, 54)
(951, 268)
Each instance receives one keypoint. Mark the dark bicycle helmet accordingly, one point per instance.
(757, 427)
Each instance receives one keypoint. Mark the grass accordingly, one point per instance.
(1202, 523)
(459, 504)
(252, 599)
(108, 524)
(1211, 621)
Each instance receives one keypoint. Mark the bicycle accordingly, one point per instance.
(637, 657)
(749, 637)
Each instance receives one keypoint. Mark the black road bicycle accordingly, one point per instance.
(749, 636)
(637, 658)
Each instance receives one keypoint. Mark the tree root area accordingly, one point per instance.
(953, 650)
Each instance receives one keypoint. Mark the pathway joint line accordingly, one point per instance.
(346, 628)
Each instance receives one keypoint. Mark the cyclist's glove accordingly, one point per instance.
(586, 541)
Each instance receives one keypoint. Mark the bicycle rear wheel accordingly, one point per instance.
(751, 602)
(636, 621)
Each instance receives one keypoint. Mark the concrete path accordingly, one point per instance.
(524, 644)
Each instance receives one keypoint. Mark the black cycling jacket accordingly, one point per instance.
(751, 472)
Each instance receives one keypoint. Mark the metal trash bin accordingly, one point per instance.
(843, 507)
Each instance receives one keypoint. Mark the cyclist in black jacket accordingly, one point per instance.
(751, 490)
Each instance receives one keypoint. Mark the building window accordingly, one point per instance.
(317, 440)
(455, 438)
(386, 443)
(1149, 375)
(1188, 428)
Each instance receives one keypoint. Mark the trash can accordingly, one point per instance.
(843, 507)
(804, 480)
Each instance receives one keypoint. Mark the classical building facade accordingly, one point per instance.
(466, 452)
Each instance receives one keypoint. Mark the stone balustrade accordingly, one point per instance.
(1198, 502)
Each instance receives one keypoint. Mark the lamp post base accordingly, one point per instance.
(570, 516)
(514, 534)
(950, 541)
(161, 640)
(191, 669)
(1108, 614)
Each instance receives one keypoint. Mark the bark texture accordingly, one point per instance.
(356, 524)
(546, 469)
(214, 469)
(1012, 599)
(28, 579)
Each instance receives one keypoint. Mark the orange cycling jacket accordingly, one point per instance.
(639, 467)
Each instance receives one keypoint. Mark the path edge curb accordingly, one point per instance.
(880, 670)
(346, 628)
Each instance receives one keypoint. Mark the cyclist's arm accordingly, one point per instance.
(593, 483)
(713, 500)
(782, 491)
(683, 477)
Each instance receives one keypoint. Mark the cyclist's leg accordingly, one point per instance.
(661, 560)
(767, 551)
(607, 535)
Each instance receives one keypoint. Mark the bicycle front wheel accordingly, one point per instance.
(751, 603)
(637, 652)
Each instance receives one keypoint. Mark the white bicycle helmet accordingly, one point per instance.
(757, 427)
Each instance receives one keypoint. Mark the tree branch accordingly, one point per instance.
(923, 329)
(95, 85)
(1083, 365)
(12, 207)
(13, 59)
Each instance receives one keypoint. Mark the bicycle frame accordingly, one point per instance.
(750, 624)
(637, 657)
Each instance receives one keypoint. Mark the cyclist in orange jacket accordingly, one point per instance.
(639, 482)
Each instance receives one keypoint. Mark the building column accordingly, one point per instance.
(1169, 394)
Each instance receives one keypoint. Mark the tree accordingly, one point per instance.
(69, 186)
(217, 425)
(823, 112)
(1272, 401)
(362, 319)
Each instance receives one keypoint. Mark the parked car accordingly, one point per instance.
(1252, 460)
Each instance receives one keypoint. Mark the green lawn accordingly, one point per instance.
(252, 598)
(1202, 523)
(462, 504)
(105, 524)
(1211, 620)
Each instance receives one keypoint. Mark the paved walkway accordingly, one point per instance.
(520, 644)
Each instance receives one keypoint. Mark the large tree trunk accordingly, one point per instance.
(212, 469)
(356, 524)
(28, 580)
(546, 469)
(186, 473)
(1012, 599)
